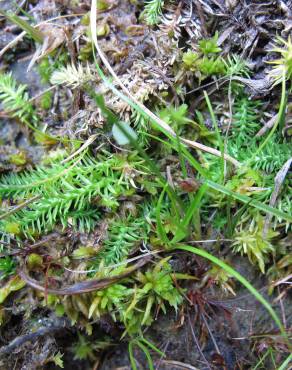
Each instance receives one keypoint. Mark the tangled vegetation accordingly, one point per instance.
(162, 186)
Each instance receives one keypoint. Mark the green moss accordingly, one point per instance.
(46, 100)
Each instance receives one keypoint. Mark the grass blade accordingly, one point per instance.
(147, 354)
(247, 200)
(286, 363)
(240, 278)
(35, 34)
(220, 141)
(131, 356)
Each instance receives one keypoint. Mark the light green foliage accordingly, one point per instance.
(58, 360)
(167, 214)
(254, 242)
(284, 204)
(132, 301)
(34, 261)
(123, 133)
(205, 62)
(72, 76)
(33, 32)
(7, 267)
(189, 59)
(123, 235)
(221, 277)
(204, 66)
(110, 300)
(54, 156)
(85, 52)
(183, 199)
(245, 180)
(28, 183)
(84, 252)
(210, 66)
(242, 143)
(176, 117)
(45, 70)
(209, 46)
(95, 304)
(272, 157)
(103, 4)
(48, 65)
(157, 288)
(19, 159)
(248, 182)
(15, 99)
(142, 127)
(12, 285)
(283, 65)
(84, 349)
(69, 194)
(255, 178)
(235, 66)
(245, 124)
(152, 11)
(11, 227)
(46, 100)
(145, 346)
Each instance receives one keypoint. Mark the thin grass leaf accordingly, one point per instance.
(279, 121)
(147, 354)
(152, 346)
(242, 198)
(31, 31)
(247, 200)
(238, 277)
(220, 141)
(160, 228)
(131, 355)
(194, 205)
(286, 363)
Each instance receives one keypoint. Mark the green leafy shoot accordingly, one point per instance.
(7, 267)
(204, 66)
(210, 46)
(12, 285)
(144, 345)
(219, 138)
(57, 359)
(16, 102)
(152, 11)
(253, 242)
(65, 193)
(282, 69)
(15, 99)
(72, 76)
(83, 349)
(158, 288)
(235, 66)
(124, 235)
(110, 300)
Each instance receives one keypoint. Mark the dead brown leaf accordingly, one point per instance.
(54, 36)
